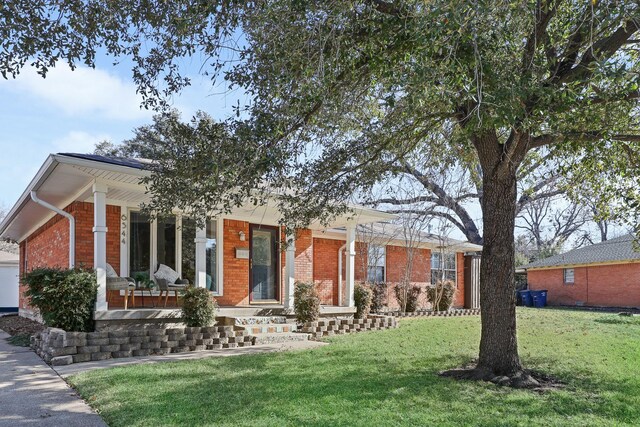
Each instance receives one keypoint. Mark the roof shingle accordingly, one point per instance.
(618, 249)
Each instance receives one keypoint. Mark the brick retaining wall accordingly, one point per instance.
(329, 327)
(59, 347)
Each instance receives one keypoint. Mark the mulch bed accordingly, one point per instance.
(16, 325)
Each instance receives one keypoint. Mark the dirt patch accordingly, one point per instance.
(16, 325)
(524, 379)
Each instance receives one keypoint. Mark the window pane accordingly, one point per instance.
(376, 256)
(139, 243)
(568, 275)
(375, 274)
(189, 250)
(211, 247)
(435, 260)
(166, 245)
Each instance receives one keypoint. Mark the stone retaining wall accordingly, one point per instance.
(328, 327)
(429, 313)
(59, 347)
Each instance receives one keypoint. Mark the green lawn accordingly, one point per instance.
(390, 378)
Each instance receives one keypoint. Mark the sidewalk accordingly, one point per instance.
(31, 393)
(68, 370)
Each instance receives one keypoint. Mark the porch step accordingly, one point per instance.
(272, 338)
(259, 320)
(269, 328)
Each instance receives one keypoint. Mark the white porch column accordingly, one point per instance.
(290, 272)
(350, 264)
(100, 243)
(201, 257)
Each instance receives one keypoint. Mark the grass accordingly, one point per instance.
(21, 340)
(389, 378)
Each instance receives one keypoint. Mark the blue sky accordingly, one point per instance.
(70, 111)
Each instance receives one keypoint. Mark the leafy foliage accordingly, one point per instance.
(306, 302)
(407, 296)
(339, 91)
(65, 298)
(378, 297)
(441, 295)
(198, 307)
(362, 297)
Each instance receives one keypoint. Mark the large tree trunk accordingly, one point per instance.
(498, 343)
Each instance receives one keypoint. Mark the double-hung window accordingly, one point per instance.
(443, 266)
(376, 264)
(569, 276)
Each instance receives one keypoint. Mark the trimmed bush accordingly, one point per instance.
(378, 297)
(306, 302)
(65, 298)
(362, 296)
(407, 296)
(445, 291)
(198, 307)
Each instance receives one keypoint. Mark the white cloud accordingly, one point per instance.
(82, 92)
(77, 142)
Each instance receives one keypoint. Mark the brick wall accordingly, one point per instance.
(48, 246)
(304, 256)
(325, 269)
(616, 285)
(236, 271)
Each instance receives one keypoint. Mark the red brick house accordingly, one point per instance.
(84, 210)
(606, 274)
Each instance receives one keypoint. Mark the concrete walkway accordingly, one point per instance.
(66, 371)
(31, 393)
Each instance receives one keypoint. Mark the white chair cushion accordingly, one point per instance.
(167, 273)
(111, 272)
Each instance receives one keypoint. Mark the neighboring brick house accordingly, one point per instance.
(606, 274)
(84, 210)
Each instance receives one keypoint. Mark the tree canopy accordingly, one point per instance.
(340, 90)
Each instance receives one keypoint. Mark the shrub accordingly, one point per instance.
(378, 297)
(362, 296)
(407, 296)
(306, 302)
(445, 291)
(65, 298)
(198, 307)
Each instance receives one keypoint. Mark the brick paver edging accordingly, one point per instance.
(59, 347)
(429, 313)
(328, 327)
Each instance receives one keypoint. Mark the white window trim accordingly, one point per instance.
(455, 263)
(153, 254)
(384, 262)
(564, 276)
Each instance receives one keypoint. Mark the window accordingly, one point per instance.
(211, 246)
(443, 266)
(568, 276)
(166, 244)
(376, 264)
(139, 243)
(189, 250)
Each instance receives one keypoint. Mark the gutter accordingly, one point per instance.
(72, 225)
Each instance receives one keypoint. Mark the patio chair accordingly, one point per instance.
(117, 283)
(168, 280)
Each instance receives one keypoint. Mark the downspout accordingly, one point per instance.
(340, 252)
(72, 225)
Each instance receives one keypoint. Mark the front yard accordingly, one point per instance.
(390, 378)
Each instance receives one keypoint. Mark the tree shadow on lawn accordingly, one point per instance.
(313, 388)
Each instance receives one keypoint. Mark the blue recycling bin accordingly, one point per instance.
(527, 300)
(539, 298)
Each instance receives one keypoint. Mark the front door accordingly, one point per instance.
(263, 263)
